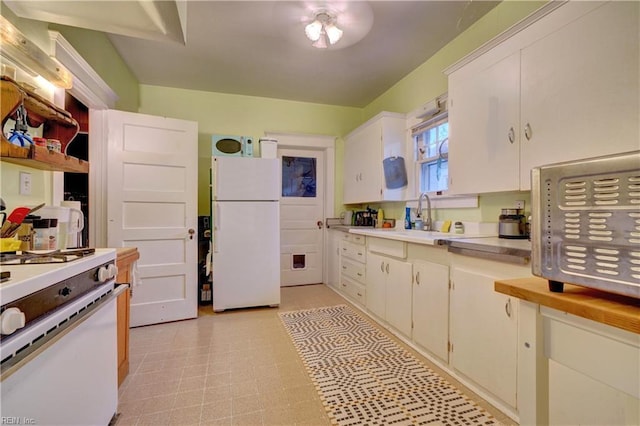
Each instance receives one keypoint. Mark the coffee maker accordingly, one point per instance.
(512, 224)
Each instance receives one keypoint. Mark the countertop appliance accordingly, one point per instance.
(231, 146)
(59, 342)
(512, 224)
(246, 232)
(586, 223)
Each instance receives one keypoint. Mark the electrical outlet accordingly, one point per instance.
(520, 204)
(25, 183)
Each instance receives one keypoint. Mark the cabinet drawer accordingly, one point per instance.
(353, 270)
(353, 290)
(353, 251)
(389, 247)
(353, 238)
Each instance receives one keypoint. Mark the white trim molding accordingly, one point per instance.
(88, 87)
(316, 142)
(506, 34)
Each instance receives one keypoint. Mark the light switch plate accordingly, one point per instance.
(520, 204)
(25, 183)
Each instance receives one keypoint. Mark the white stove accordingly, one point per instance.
(31, 277)
(58, 338)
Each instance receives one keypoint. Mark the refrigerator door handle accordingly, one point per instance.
(216, 226)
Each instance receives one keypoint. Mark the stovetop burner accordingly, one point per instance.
(56, 256)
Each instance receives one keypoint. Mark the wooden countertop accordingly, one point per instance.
(127, 255)
(607, 308)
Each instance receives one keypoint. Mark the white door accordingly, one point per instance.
(152, 205)
(301, 216)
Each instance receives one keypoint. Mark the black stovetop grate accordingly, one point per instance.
(56, 256)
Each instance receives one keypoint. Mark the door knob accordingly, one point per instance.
(191, 232)
(319, 223)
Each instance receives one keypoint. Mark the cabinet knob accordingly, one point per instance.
(528, 133)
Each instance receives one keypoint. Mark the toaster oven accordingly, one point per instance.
(586, 223)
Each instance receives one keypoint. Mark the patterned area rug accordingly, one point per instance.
(364, 378)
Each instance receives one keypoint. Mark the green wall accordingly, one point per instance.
(218, 113)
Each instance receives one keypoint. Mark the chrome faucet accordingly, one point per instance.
(427, 222)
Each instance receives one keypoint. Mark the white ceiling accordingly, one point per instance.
(258, 48)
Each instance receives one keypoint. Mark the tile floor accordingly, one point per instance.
(238, 367)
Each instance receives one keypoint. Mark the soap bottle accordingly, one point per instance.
(407, 218)
(380, 219)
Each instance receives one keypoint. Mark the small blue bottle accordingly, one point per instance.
(407, 218)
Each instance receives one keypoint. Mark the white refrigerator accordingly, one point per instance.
(246, 232)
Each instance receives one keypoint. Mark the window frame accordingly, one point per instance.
(438, 118)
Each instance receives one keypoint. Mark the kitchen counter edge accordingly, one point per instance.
(607, 308)
(490, 247)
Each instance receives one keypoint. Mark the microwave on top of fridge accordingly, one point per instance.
(231, 146)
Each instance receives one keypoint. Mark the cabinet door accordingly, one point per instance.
(484, 333)
(431, 307)
(363, 165)
(394, 144)
(370, 154)
(333, 258)
(376, 283)
(398, 295)
(580, 89)
(483, 123)
(351, 170)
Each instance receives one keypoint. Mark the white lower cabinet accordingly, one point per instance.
(376, 285)
(431, 307)
(352, 260)
(484, 325)
(389, 285)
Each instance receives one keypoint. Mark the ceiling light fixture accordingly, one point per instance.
(322, 31)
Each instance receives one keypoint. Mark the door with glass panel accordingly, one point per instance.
(301, 216)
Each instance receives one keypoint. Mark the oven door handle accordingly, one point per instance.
(50, 339)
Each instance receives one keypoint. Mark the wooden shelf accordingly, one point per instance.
(58, 124)
(41, 158)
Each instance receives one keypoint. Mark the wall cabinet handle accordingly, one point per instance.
(387, 268)
(382, 267)
(512, 135)
(344, 267)
(528, 133)
(418, 277)
(507, 308)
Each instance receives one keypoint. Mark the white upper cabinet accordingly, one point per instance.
(483, 123)
(564, 88)
(365, 148)
(580, 89)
